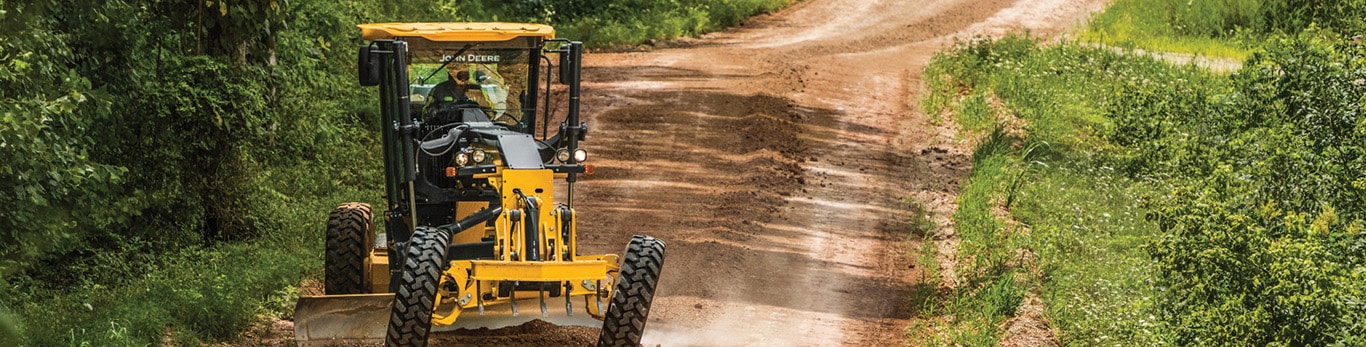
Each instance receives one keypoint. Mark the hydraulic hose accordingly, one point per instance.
(473, 219)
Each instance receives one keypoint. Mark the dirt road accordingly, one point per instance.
(776, 159)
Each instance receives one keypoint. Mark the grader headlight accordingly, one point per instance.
(579, 155)
(462, 158)
(562, 155)
(479, 156)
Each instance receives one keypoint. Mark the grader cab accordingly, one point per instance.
(479, 223)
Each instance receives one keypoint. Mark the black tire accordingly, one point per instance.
(350, 232)
(634, 290)
(424, 261)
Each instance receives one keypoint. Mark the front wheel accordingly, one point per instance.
(425, 260)
(634, 290)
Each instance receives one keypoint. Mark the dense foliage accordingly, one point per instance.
(1172, 205)
(1262, 236)
(145, 140)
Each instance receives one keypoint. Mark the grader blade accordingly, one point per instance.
(332, 319)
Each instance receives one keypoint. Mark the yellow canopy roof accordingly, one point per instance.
(455, 31)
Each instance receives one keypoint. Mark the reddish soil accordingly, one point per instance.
(776, 160)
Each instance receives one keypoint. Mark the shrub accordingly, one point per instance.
(1261, 239)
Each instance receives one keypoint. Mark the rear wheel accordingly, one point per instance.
(634, 290)
(424, 261)
(350, 231)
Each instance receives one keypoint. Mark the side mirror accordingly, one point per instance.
(571, 60)
(565, 71)
(367, 67)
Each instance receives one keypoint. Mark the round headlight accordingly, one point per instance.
(462, 158)
(580, 155)
(562, 155)
(479, 156)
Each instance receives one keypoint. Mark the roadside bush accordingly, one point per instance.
(1261, 240)
(1167, 123)
(1293, 16)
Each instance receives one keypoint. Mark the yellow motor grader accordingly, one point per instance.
(476, 226)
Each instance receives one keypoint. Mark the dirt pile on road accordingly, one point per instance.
(533, 333)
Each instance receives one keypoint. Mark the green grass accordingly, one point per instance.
(1082, 220)
(975, 114)
(1178, 26)
(1127, 36)
(1145, 25)
(920, 225)
(987, 291)
(1089, 232)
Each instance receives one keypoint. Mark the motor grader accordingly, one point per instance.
(479, 221)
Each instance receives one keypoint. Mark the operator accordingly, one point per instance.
(487, 90)
(450, 91)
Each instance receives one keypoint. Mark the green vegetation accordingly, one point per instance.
(1228, 28)
(1262, 239)
(988, 290)
(170, 164)
(610, 23)
(167, 170)
(1163, 204)
(1042, 212)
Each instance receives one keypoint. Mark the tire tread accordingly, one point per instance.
(411, 318)
(350, 231)
(634, 291)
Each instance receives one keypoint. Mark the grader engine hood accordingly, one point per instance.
(519, 150)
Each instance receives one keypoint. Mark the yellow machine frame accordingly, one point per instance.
(588, 276)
